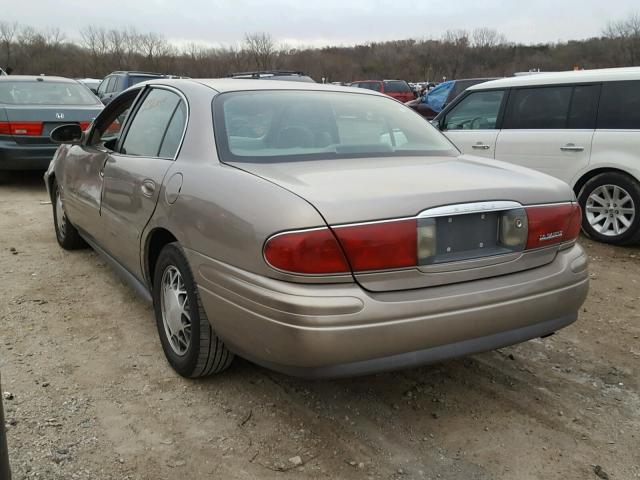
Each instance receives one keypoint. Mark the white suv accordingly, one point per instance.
(581, 126)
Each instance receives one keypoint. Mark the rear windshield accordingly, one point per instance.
(275, 126)
(45, 93)
(396, 86)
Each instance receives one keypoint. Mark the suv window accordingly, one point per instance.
(538, 108)
(584, 103)
(147, 131)
(396, 86)
(111, 86)
(620, 105)
(102, 88)
(477, 111)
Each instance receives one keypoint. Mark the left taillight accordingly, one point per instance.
(310, 252)
(84, 125)
(21, 128)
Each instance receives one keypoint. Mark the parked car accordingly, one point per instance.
(116, 82)
(582, 127)
(30, 108)
(440, 96)
(314, 229)
(398, 89)
(290, 75)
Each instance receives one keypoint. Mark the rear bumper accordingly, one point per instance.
(14, 156)
(343, 330)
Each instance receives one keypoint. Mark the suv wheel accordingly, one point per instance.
(610, 203)
(191, 346)
(66, 234)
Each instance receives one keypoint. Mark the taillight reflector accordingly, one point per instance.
(552, 224)
(307, 252)
(380, 246)
(84, 125)
(21, 128)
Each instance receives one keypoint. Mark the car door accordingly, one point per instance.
(81, 175)
(472, 123)
(134, 173)
(549, 128)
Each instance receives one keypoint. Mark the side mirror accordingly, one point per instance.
(94, 90)
(71, 133)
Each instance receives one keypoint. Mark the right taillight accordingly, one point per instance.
(552, 224)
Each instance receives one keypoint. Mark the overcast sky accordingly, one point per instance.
(325, 22)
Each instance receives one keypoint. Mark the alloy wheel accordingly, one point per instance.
(610, 210)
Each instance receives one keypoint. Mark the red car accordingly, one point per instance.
(398, 89)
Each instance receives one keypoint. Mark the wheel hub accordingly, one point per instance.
(176, 316)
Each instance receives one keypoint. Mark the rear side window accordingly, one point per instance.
(173, 135)
(620, 105)
(477, 111)
(150, 123)
(538, 108)
(396, 86)
(582, 114)
(111, 86)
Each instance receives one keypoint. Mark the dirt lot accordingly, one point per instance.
(93, 398)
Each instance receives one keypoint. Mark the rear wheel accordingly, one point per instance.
(66, 234)
(191, 346)
(610, 203)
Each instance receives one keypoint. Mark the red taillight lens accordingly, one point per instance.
(84, 125)
(21, 128)
(552, 224)
(307, 252)
(379, 246)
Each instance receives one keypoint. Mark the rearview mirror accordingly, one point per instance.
(71, 133)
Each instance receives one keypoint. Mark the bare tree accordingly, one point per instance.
(261, 48)
(7, 35)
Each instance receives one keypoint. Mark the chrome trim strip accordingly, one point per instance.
(467, 208)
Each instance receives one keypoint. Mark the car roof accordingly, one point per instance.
(555, 78)
(35, 78)
(234, 85)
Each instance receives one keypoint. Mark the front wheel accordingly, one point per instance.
(610, 203)
(191, 346)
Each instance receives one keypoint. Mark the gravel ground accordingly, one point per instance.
(88, 394)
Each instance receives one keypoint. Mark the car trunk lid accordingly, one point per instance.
(357, 191)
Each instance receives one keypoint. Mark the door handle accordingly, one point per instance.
(148, 187)
(570, 147)
(481, 146)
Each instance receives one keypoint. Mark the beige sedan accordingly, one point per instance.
(316, 230)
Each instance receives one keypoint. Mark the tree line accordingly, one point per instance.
(482, 52)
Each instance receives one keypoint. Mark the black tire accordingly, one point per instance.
(632, 187)
(66, 234)
(205, 354)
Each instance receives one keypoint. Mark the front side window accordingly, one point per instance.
(47, 92)
(477, 111)
(538, 108)
(620, 105)
(147, 131)
(268, 126)
(102, 88)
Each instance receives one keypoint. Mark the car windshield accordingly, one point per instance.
(45, 93)
(274, 126)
